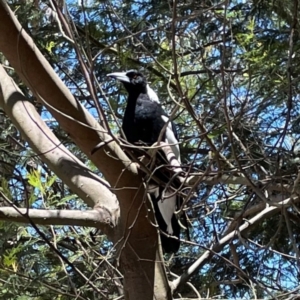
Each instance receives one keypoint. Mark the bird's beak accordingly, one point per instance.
(121, 76)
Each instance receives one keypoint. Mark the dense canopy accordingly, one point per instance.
(227, 73)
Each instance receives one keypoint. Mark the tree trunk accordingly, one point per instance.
(135, 237)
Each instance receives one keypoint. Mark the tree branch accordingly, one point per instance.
(90, 218)
(38, 75)
(135, 229)
(217, 247)
(60, 160)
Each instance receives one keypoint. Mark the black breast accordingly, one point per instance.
(147, 122)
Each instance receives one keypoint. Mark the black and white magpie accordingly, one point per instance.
(143, 121)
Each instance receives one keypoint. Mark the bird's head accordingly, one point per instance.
(132, 80)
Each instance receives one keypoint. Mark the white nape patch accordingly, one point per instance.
(171, 139)
(167, 208)
(152, 95)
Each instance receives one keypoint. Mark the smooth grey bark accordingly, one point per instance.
(69, 168)
(135, 237)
